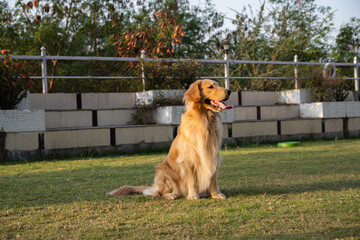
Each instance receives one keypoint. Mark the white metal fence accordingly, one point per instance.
(227, 73)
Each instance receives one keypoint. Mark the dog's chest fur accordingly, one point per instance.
(206, 138)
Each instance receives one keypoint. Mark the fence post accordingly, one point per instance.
(356, 74)
(44, 70)
(143, 56)
(296, 70)
(356, 78)
(226, 70)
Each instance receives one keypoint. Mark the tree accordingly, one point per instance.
(70, 27)
(156, 30)
(277, 33)
(91, 27)
(8, 33)
(170, 28)
(347, 41)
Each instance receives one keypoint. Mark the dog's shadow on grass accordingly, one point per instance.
(292, 188)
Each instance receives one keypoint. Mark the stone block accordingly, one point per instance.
(53, 101)
(245, 113)
(323, 110)
(155, 134)
(303, 126)
(22, 120)
(233, 99)
(60, 139)
(280, 112)
(296, 96)
(107, 100)
(354, 124)
(129, 135)
(68, 119)
(22, 141)
(114, 117)
(93, 137)
(253, 129)
(333, 125)
(254, 98)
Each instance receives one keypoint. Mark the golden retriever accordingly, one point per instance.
(191, 168)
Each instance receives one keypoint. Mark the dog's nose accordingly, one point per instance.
(228, 92)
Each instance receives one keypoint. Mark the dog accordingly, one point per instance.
(191, 167)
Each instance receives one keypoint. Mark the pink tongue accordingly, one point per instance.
(223, 105)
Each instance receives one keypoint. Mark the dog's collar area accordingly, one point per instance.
(217, 105)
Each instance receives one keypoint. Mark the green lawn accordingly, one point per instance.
(306, 192)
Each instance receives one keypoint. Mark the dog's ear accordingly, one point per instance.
(193, 93)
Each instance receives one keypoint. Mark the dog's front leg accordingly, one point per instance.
(192, 193)
(214, 189)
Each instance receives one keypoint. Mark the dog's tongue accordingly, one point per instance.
(222, 105)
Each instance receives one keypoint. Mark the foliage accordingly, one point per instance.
(156, 75)
(325, 88)
(76, 27)
(308, 192)
(170, 29)
(157, 38)
(99, 28)
(184, 73)
(286, 29)
(143, 112)
(277, 31)
(348, 41)
(14, 82)
(164, 75)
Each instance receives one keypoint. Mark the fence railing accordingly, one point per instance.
(227, 63)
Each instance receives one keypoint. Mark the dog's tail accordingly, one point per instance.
(126, 190)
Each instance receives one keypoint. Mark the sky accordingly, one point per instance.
(344, 9)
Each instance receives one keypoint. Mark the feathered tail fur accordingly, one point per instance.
(126, 190)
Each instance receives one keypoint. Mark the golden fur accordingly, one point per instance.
(191, 168)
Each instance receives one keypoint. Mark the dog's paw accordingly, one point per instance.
(218, 196)
(193, 197)
(170, 196)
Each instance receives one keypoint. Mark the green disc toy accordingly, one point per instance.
(288, 144)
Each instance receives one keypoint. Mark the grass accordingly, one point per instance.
(306, 192)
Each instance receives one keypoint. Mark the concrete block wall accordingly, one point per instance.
(115, 109)
(83, 122)
(117, 117)
(65, 141)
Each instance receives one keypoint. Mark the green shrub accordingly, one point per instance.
(14, 82)
(326, 89)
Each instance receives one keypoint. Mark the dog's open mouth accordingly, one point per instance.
(218, 105)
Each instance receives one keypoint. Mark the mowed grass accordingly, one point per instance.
(307, 192)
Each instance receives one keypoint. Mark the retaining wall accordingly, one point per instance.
(98, 123)
(130, 138)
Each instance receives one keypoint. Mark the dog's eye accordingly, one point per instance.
(211, 86)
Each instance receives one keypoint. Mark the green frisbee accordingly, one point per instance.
(288, 144)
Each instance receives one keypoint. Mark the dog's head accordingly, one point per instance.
(208, 94)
